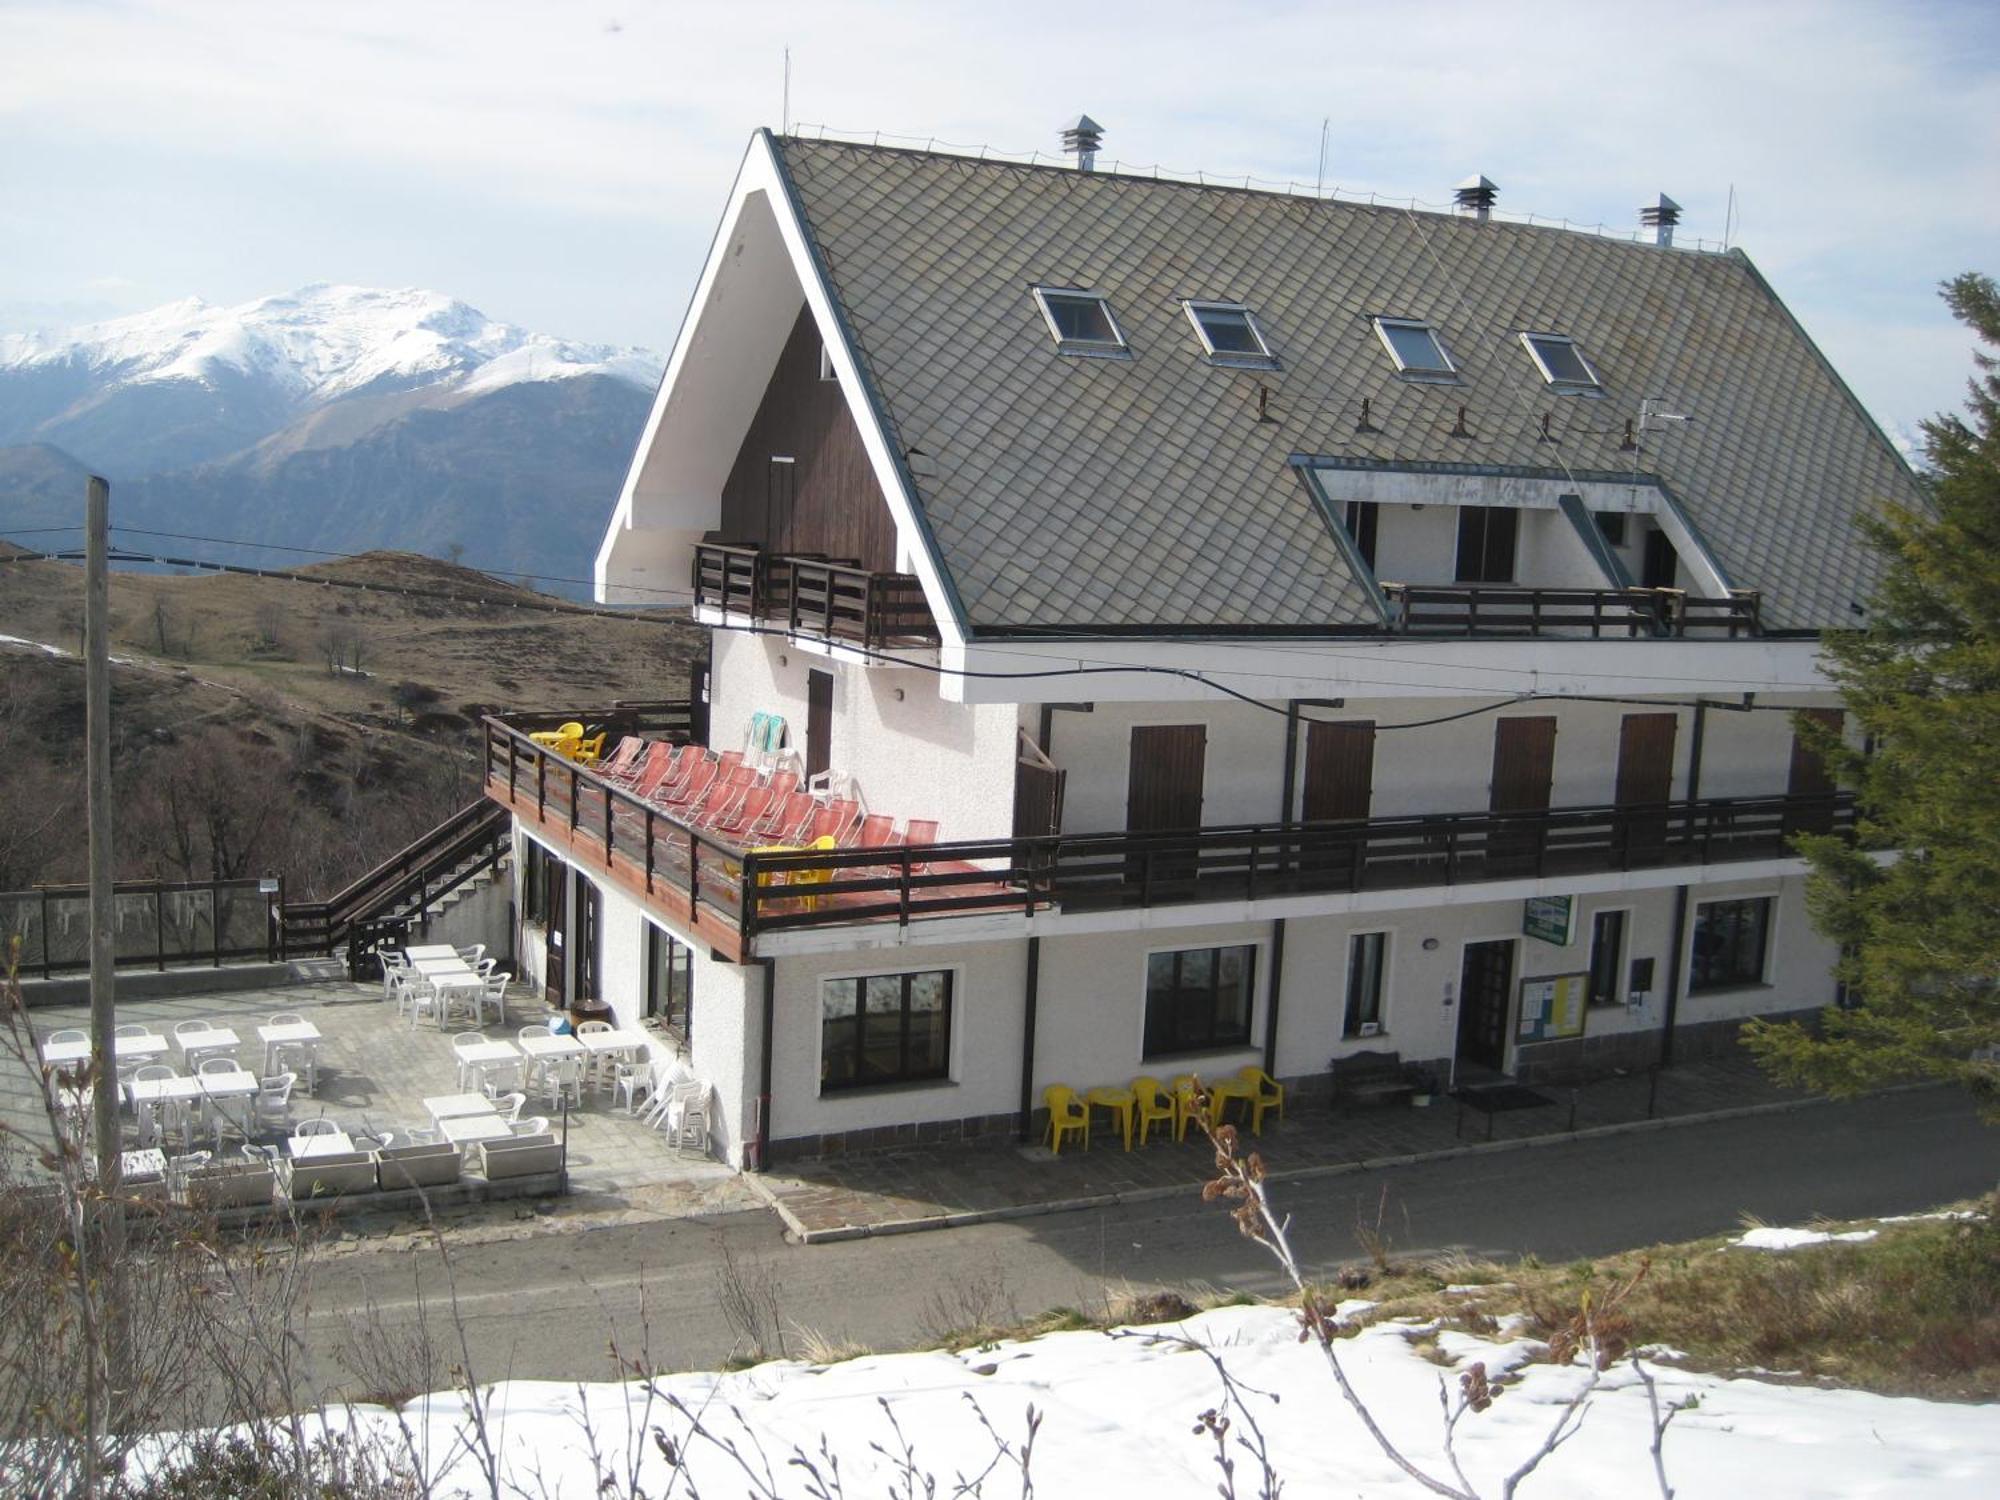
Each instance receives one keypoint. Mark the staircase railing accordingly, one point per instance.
(466, 844)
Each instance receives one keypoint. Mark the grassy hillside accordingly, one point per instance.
(263, 725)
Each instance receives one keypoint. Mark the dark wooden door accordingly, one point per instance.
(819, 722)
(1163, 792)
(1645, 781)
(1038, 799)
(1340, 771)
(554, 980)
(1485, 986)
(588, 942)
(1810, 776)
(1524, 765)
(1660, 567)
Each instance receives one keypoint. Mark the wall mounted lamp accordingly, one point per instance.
(1430, 945)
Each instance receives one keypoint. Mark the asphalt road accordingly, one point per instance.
(555, 1305)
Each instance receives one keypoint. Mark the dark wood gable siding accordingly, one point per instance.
(826, 500)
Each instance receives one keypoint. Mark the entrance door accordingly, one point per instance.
(1524, 765)
(819, 722)
(1485, 986)
(556, 955)
(1645, 780)
(587, 945)
(1163, 792)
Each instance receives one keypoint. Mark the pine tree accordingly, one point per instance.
(1920, 935)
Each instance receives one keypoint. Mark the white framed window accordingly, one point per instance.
(1730, 946)
(1200, 999)
(1416, 348)
(1081, 322)
(1229, 333)
(1562, 363)
(883, 1029)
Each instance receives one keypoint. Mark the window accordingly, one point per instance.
(538, 870)
(1361, 524)
(1730, 941)
(1562, 364)
(1081, 322)
(1416, 349)
(1486, 535)
(1198, 999)
(1607, 953)
(885, 1028)
(1611, 526)
(670, 981)
(826, 370)
(1367, 958)
(1229, 333)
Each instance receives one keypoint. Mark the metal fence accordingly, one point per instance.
(155, 924)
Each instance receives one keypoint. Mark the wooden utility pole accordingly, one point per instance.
(97, 771)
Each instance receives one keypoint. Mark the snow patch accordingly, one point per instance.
(1793, 1239)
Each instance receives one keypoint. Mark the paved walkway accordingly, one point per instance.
(941, 1187)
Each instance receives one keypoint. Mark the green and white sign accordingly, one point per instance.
(1550, 918)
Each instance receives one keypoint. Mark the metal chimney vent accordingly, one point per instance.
(1475, 196)
(1661, 218)
(1081, 137)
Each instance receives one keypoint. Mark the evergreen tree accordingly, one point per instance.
(1920, 935)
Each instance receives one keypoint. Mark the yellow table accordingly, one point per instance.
(813, 875)
(1223, 1090)
(1119, 1102)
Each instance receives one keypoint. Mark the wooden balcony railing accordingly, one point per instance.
(1482, 609)
(814, 595)
(729, 895)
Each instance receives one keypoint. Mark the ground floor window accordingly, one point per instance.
(539, 870)
(1198, 999)
(1607, 953)
(670, 981)
(1730, 942)
(885, 1028)
(1367, 959)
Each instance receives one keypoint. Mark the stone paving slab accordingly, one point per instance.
(945, 1186)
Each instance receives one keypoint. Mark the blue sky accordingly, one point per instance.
(561, 165)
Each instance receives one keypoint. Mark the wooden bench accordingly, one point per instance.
(1362, 1079)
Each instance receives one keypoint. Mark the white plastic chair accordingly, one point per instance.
(212, 1066)
(149, 1113)
(468, 1073)
(395, 966)
(274, 1101)
(494, 997)
(533, 1125)
(688, 1118)
(508, 1106)
(472, 953)
(563, 1078)
(308, 1128)
(68, 1034)
(633, 1077)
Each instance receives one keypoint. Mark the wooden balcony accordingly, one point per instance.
(729, 896)
(818, 596)
(1507, 610)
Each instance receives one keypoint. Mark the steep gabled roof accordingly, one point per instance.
(1145, 492)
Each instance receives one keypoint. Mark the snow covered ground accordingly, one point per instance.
(1120, 1416)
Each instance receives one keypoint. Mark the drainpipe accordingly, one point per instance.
(1682, 906)
(1277, 988)
(1030, 1000)
(1288, 800)
(762, 1146)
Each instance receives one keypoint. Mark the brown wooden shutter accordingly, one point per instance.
(1340, 770)
(1038, 799)
(1645, 759)
(1164, 785)
(1524, 761)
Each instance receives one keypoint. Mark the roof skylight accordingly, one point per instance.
(1562, 364)
(1081, 322)
(1229, 333)
(1416, 348)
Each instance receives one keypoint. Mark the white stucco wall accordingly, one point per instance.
(1244, 767)
(728, 1028)
(914, 755)
(985, 1072)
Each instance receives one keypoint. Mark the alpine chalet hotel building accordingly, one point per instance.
(1201, 627)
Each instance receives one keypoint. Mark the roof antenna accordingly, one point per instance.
(785, 112)
(1319, 182)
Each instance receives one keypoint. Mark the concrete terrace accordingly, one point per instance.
(374, 1074)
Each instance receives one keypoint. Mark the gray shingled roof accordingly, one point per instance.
(1065, 491)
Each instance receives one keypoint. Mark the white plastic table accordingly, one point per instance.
(143, 1166)
(445, 1107)
(479, 1053)
(159, 1090)
(199, 1044)
(305, 1147)
(291, 1033)
(125, 1047)
(604, 1046)
(430, 950)
(464, 1130)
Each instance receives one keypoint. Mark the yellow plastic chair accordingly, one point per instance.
(1067, 1116)
(587, 752)
(1151, 1105)
(1187, 1106)
(1261, 1091)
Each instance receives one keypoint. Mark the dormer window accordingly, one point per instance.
(1229, 333)
(826, 369)
(1081, 322)
(1562, 364)
(1418, 352)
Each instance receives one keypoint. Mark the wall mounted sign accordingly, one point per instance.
(1550, 918)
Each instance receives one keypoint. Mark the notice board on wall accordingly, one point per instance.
(1552, 1007)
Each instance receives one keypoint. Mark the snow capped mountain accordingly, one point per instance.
(320, 343)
